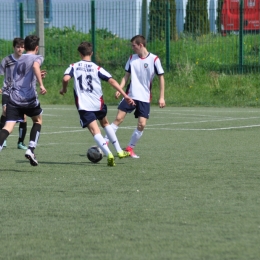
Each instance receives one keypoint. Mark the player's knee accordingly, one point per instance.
(141, 126)
(37, 120)
(118, 120)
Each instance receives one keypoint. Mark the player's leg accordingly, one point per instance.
(138, 132)
(123, 109)
(5, 99)
(22, 134)
(118, 120)
(6, 131)
(99, 139)
(34, 138)
(13, 115)
(111, 136)
(89, 119)
(142, 113)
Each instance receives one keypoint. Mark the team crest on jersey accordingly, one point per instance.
(145, 65)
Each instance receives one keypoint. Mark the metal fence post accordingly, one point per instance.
(144, 18)
(93, 30)
(39, 15)
(241, 36)
(167, 35)
(21, 20)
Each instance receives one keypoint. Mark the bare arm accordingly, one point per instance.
(37, 72)
(120, 90)
(123, 83)
(65, 82)
(161, 99)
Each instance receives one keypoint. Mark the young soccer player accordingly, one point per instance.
(23, 99)
(6, 69)
(89, 99)
(140, 68)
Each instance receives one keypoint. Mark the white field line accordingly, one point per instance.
(150, 127)
(204, 129)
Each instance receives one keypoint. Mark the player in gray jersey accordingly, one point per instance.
(23, 96)
(6, 68)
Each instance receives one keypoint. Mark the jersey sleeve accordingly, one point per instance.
(69, 71)
(158, 66)
(39, 59)
(127, 66)
(2, 68)
(103, 74)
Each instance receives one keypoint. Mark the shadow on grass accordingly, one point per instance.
(61, 163)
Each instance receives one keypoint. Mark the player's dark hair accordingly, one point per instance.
(31, 42)
(18, 41)
(85, 48)
(139, 39)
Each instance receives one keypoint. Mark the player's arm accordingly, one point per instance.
(119, 89)
(37, 72)
(65, 82)
(161, 98)
(123, 83)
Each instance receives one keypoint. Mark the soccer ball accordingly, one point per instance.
(95, 154)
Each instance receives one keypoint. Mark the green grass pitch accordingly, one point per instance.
(193, 194)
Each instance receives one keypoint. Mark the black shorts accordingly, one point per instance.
(141, 108)
(5, 99)
(17, 113)
(86, 117)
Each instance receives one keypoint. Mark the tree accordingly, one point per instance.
(196, 20)
(157, 19)
(219, 10)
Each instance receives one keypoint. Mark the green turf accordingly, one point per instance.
(193, 194)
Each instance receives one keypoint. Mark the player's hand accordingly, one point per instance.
(43, 73)
(117, 94)
(162, 103)
(43, 91)
(0, 91)
(129, 101)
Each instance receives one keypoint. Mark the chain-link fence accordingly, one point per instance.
(178, 31)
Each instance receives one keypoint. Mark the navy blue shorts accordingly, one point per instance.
(141, 108)
(86, 117)
(17, 113)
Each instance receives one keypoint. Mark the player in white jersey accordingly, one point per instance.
(6, 68)
(89, 99)
(140, 68)
(23, 96)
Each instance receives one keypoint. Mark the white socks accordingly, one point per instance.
(110, 133)
(135, 138)
(114, 127)
(99, 139)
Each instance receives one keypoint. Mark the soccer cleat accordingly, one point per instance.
(131, 151)
(4, 144)
(111, 160)
(31, 157)
(123, 154)
(21, 146)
